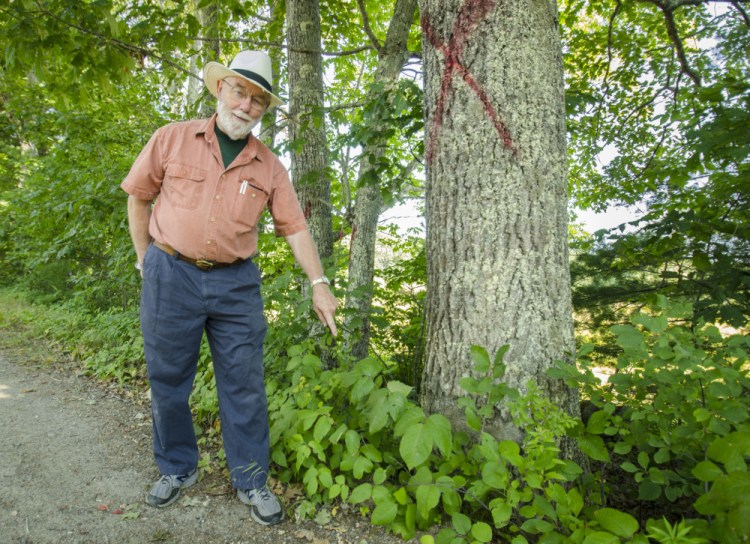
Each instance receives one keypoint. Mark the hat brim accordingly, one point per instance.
(214, 72)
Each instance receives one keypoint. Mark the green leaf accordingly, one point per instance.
(575, 501)
(401, 496)
(361, 389)
(620, 523)
(501, 512)
(470, 385)
(378, 416)
(597, 422)
(440, 428)
(428, 497)
(631, 340)
(325, 477)
(481, 531)
(495, 475)
(600, 537)
(322, 426)
(416, 445)
(379, 476)
(311, 481)
(537, 526)
(643, 459)
(472, 419)
(701, 414)
(481, 360)
(649, 491)
(511, 452)
(362, 465)
(384, 513)
(622, 448)
(461, 523)
(352, 440)
(361, 493)
(399, 388)
(706, 471)
(726, 493)
(662, 456)
(543, 506)
(593, 446)
(406, 420)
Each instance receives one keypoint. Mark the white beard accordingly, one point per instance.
(231, 125)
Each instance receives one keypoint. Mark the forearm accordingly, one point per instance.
(306, 254)
(139, 215)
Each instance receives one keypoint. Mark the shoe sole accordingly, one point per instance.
(187, 483)
(261, 521)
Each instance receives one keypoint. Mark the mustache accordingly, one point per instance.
(242, 115)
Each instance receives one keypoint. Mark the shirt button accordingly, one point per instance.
(218, 197)
(213, 219)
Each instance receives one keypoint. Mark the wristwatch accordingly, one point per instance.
(321, 279)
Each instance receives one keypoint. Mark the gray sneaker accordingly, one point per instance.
(166, 489)
(265, 507)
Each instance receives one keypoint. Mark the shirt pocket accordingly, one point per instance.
(183, 185)
(249, 203)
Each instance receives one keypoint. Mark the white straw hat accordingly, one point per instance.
(252, 66)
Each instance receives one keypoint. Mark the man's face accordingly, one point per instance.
(240, 107)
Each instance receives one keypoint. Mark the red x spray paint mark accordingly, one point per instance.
(471, 14)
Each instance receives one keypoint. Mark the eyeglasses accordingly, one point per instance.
(238, 93)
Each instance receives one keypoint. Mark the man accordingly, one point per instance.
(194, 246)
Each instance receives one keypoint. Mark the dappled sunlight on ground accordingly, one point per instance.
(4, 391)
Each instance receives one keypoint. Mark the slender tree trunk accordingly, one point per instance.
(307, 124)
(368, 206)
(209, 50)
(275, 28)
(496, 240)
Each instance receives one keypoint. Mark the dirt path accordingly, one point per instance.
(75, 464)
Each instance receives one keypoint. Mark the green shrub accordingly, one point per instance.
(676, 417)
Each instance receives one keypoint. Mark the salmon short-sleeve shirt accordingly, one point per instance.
(206, 211)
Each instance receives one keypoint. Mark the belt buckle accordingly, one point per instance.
(203, 264)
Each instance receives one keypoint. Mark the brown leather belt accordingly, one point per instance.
(203, 264)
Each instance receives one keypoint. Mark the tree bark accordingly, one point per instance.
(269, 126)
(368, 205)
(496, 203)
(309, 150)
(209, 50)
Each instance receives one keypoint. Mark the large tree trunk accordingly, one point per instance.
(368, 206)
(306, 124)
(496, 239)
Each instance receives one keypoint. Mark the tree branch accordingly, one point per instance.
(668, 7)
(368, 30)
(605, 80)
(677, 41)
(743, 13)
(346, 106)
(118, 44)
(280, 45)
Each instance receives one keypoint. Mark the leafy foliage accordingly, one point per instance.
(672, 425)
(659, 119)
(85, 83)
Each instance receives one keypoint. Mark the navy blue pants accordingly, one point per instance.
(178, 303)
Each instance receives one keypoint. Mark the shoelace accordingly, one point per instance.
(264, 494)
